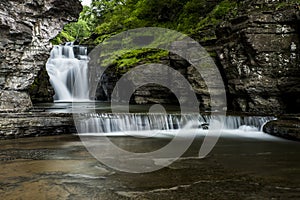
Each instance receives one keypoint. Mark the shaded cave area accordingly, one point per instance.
(41, 90)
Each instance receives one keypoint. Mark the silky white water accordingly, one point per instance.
(68, 71)
(166, 125)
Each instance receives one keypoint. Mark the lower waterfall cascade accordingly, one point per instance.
(114, 124)
(68, 71)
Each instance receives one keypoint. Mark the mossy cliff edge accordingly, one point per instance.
(255, 45)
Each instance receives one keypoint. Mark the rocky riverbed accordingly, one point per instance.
(59, 167)
(31, 124)
(286, 126)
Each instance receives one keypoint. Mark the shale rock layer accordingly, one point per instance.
(26, 29)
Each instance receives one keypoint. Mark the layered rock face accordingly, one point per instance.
(14, 125)
(26, 29)
(258, 51)
(257, 54)
(285, 127)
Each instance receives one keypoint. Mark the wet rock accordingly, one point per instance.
(259, 55)
(41, 90)
(15, 125)
(285, 127)
(25, 34)
(14, 100)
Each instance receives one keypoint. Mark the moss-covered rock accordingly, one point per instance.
(41, 89)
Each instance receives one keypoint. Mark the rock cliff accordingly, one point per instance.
(26, 29)
(258, 51)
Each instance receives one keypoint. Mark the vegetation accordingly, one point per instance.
(140, 56)
(106, 18)
(185, 16)
(288, 3)
(79, 30)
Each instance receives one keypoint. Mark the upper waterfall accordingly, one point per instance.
(68, 71)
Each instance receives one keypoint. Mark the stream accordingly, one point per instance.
(239, 167)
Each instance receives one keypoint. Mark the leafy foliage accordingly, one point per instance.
(186, 16)
(79, 30)
(106, 18)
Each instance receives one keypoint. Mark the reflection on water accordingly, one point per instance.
(244, 164)
(59, 167)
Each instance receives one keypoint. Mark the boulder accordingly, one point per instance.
(285, 127)
(16, 125)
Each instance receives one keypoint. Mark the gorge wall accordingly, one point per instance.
(26, 30)
(257, 52)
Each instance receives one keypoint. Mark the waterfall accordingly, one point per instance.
(110, 123)
(68, 71)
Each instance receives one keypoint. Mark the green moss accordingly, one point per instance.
(204, 29)
(73, 31)
(140, 56)
(213, 54)
(125, 60)
(191, 17)
(217, 14)
(56, 41)
(156, 57)
(286, 4)
(33, 87)
(63, 37)
(223, 9)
